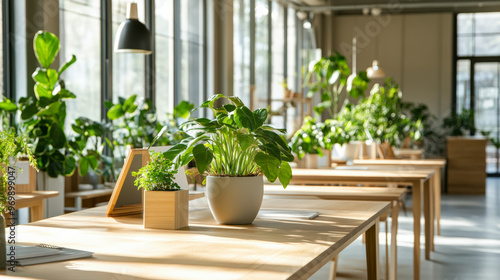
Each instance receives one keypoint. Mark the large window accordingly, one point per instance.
(241, 49)
(262, 55)
(192, 49)
(164, 38)
(81, 36)
(477, 76)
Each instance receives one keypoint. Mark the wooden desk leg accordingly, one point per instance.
(372, 251)
(36, 211)
(417, 187)
(333, 267)
(394, 243)
(427, 219)
(437, 197)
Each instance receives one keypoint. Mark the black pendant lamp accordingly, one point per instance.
(132, 35)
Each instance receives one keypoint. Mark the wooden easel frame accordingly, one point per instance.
(132, 209)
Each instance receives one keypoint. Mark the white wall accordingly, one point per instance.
(414, 49)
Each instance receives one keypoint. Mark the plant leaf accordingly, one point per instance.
(269, 165)
(244, 118)
(57, 135)
(183, 109)
(41, 91)
(260, 116)
(237, 101)
(285, 174)
(116, 112)
(83, 166)
(245, 140)
(46, 46)
(8, 106)
(203, 157)
(174, 151)
(66, 65)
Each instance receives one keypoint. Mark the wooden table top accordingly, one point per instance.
(340, 193)
(268, 249)
(34, 196)
(409, 162)
(371, 175)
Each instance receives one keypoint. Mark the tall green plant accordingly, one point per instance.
(235, 143)
(43, 114)
(328, 77)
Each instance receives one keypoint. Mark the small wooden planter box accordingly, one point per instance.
(166, 209)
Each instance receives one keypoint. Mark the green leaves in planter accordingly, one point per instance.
(157, 175)
(235, 143)
(203, 157)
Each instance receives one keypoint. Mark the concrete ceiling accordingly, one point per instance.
(410, 6)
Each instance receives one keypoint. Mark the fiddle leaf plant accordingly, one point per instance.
(235, 143)
(43, 114)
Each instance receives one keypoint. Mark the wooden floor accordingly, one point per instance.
(469, 247)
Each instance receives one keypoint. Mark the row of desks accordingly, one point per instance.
(270, 248)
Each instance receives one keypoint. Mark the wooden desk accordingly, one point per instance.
(35, 201)
(394, 196)
(409, 153)
(436, 164)
(267, 249)
(419, 179)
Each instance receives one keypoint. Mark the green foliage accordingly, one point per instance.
(310, 138)
(328, 77)
(459, 124)
(495, 142)
(11, 146)
(235, 143)
(88, 146)
(157, 175)
(43, 115)
(381, 115)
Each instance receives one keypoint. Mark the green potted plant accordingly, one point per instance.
(43, 116)
(235, 149)
(11, 146)
(309, 143)
(165, 204)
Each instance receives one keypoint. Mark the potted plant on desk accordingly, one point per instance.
(11, 146)
(235, 148)
(165, 204)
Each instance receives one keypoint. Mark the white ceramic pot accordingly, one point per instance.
(235, 200)
(348, 151)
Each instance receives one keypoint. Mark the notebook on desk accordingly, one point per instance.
(43, 253)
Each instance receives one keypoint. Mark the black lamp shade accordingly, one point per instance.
(133, 37)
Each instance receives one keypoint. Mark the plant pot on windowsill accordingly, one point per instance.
(166, 209)
(166, 206)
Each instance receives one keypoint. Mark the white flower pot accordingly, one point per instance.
(235, 200)
(348, 151)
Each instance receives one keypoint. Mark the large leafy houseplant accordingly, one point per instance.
(235, 143)
(43, 114)
(235, 149)
(328, 77)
